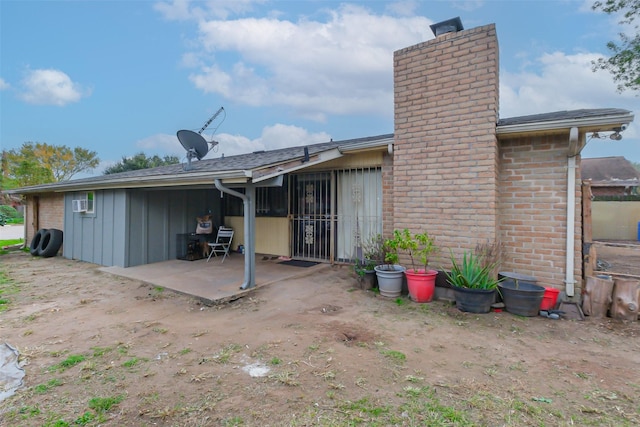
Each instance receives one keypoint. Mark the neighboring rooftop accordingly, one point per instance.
(610, 171)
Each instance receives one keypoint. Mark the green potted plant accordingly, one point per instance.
(369, 254)
(373, 251)
(421, 281)
(389, 274)
(474, 283)
(364, 269)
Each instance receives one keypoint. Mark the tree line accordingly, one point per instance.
(36, 163)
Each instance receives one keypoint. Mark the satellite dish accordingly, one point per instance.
(194, 143)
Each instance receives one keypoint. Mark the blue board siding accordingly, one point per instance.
(134, 227)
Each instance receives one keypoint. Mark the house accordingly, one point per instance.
(611, 176)
(312, 203)
(451, 167)
(615, 187)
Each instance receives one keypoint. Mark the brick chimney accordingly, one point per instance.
(445, 150)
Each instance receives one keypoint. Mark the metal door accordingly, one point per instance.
(311, 216)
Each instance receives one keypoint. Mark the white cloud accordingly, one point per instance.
(4, 85)
(468, 5)
(282, 136)
(567, 82)
(564, 82)
(272, 138)
(341, 66)
(184, 10)
(402, 8)
(160, 144)
(177, 10)
(50, 87)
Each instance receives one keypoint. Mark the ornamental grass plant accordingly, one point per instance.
(471, 273)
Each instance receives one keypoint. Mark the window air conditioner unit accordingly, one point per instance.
(80, 205)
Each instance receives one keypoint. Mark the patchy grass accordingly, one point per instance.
(69, 362)
(395, 356)
(8, 242)
(224, 355)
(100, 351)
(275, 361)
(103, 404)
(134, 361)
(7, 287)
(418, 365)
(288, 378)
(44, 388)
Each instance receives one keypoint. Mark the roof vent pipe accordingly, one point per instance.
(452, 25)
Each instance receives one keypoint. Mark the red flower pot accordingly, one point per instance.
(421, 284)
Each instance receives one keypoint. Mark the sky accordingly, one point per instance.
(123, 76)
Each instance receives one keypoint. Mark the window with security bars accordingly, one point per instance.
(269, 201)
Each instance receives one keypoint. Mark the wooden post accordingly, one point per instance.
(587, 221)
(626, 299)
(589, 255)
(597, 296)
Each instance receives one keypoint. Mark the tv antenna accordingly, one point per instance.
(194, 143)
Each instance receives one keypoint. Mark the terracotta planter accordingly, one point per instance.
(390, 280)
(421, 284)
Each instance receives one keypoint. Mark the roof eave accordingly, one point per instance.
(293, 165)
(367, 145)
(136, 182)
(590, 124)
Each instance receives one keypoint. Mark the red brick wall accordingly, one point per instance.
(44, 211)
(445, 149)
(533, 208)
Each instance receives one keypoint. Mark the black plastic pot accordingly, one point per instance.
(368, 280)
(474, 300)
(521, 298)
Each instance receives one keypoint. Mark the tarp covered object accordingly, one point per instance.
(11, 373)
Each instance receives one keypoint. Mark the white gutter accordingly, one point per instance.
(294, 165)
(366, 145)
(585, 124)
(168, 180)
(571, 214)
(249, 233)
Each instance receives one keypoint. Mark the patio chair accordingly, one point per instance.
(222, 243)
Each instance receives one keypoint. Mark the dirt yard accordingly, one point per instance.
(101, 350)
(619, 257)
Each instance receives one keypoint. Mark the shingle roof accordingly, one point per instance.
(612, 171)
(561, 115)
(230, 164)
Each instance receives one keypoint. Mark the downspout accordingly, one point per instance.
(249, 244)
(569, 280)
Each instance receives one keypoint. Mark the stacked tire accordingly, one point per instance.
(46, 242)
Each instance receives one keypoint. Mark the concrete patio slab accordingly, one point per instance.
(213, 282)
